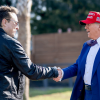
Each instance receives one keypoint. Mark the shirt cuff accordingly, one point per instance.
(62, 75)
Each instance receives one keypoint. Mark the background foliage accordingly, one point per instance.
(50, 15)
(61, 14)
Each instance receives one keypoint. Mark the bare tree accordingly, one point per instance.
(24, 7)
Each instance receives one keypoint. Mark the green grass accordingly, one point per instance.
(50, 94)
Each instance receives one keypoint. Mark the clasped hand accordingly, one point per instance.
(59, 76)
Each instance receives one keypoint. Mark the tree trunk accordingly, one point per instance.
(24, 34)
(24, 38)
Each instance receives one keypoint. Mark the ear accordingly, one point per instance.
(4, 21)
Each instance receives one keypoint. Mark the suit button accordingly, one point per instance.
(80, 90)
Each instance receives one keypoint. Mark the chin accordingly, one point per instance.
(89, 36)
(13, 34)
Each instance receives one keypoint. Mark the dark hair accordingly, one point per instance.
(5, 12)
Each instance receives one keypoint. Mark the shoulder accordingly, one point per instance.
(9, 42)
(87, 43)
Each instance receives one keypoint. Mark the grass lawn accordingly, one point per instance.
(50, 93)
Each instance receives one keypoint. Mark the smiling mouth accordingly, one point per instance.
(88, 31)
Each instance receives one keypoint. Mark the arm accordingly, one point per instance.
(70, 71)
(24, 64)
(67, 72)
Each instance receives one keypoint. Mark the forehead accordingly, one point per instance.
(14, 16)
(91, 24)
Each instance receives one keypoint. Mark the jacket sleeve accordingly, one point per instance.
(24, 64)
(70, 71)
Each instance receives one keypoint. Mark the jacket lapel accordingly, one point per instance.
(96, 62)
(83, 61)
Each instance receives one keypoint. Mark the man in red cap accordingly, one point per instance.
(87, 66)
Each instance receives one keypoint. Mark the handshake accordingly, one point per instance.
(60, 75)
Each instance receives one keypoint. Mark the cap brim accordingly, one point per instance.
(84, 22)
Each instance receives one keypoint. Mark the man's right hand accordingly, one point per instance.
(59, 76)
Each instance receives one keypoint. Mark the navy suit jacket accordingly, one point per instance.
(78, 69)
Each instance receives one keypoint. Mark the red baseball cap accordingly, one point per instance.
(93, 17)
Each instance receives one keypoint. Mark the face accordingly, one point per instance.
(93, 30)
(10, 26)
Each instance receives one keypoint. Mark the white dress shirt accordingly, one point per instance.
(90, 62)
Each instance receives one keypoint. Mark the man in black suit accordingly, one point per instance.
(14, 62)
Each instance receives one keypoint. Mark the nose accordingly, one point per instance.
(86, 26)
